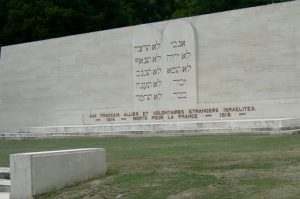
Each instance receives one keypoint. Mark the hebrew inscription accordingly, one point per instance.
(180, 63)
(147, 67)
(164, 65)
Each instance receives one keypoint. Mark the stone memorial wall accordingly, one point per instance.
(235, 66)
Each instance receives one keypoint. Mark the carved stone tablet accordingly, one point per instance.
(165, 66)
(179, 62)
(147, 67)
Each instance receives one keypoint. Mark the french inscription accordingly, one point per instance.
(166, 115)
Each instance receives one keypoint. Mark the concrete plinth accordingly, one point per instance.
(40, 172)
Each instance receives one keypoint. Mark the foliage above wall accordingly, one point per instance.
(31, 20)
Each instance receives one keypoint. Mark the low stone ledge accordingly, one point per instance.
(41, 172)
(264, 126)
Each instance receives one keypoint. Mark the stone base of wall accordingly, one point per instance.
(278, 125)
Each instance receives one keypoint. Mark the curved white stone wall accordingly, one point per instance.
(247, 65)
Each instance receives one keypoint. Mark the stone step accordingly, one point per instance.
(5, 173)
(4, 185)
(4, 195)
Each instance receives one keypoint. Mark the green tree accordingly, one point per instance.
(184, 8)
(30, 20)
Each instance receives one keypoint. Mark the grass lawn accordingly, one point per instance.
(218, 166)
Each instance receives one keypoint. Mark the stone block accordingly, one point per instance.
(40, 172)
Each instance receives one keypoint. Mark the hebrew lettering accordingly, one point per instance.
(165, 66)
